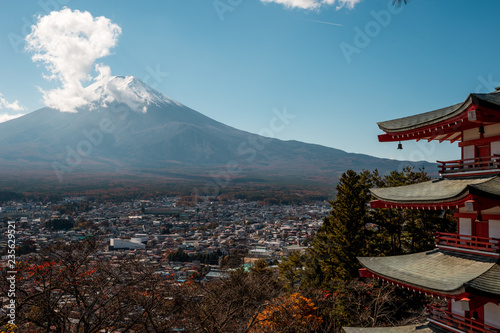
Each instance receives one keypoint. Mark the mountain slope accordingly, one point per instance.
(136, 130)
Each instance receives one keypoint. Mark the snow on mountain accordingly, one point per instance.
(127, 90)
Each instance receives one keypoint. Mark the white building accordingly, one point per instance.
(122, 244)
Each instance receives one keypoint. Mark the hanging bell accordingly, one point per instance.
(400, 146)
(479, 217)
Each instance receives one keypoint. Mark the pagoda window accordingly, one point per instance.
(495, 148)
(492, 314)
(468, 153)
(494, 228)
(456, 308)
(465, 226)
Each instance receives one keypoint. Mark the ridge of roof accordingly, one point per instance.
(486, 284)
(435, 116)
(489, 188)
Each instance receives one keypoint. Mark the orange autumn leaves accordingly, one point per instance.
(287, 314)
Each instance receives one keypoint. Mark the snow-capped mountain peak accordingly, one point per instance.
(127, 90)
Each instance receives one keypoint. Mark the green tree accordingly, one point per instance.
(291, 270)
(233, 260)
(342, 237)
(59, 224)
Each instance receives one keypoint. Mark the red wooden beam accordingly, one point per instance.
(483, 115)
(427, 205)
(479, 141)
(452, 322)
(447, 137)
(364, 273)
(457, 138)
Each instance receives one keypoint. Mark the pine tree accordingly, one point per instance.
(342, 237)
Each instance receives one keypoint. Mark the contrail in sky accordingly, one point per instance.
(329, 23)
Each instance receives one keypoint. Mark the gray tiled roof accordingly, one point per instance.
(487, 283)
(440, 190)
(436, 116)
(420, 328)
(422, 119)
(490, 188)
(492, 98)
(436, 271)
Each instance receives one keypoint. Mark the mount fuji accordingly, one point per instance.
(129, 129)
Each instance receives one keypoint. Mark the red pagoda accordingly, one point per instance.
(464, 267)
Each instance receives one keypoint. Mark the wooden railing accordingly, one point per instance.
(439, 316)
(483, 244)
(472, 164)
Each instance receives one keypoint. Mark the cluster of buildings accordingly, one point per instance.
(153, 229)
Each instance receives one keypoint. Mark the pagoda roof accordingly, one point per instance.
(487, 284)
(491, 100)
(438, 271)
(421, 328)
(445, 123)
(419, 120)
(441, 192)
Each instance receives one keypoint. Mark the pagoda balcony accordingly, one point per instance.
(470, 244)
(468, 165)
(456, 323)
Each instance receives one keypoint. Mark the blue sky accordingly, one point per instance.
(336, 70)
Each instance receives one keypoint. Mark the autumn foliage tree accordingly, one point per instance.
(67, 289)
(231, 304)
(292, 313)
(370, 303)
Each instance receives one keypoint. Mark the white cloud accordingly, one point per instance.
(68, 43)
(13, 106)
(6, 117)
(314, 4)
